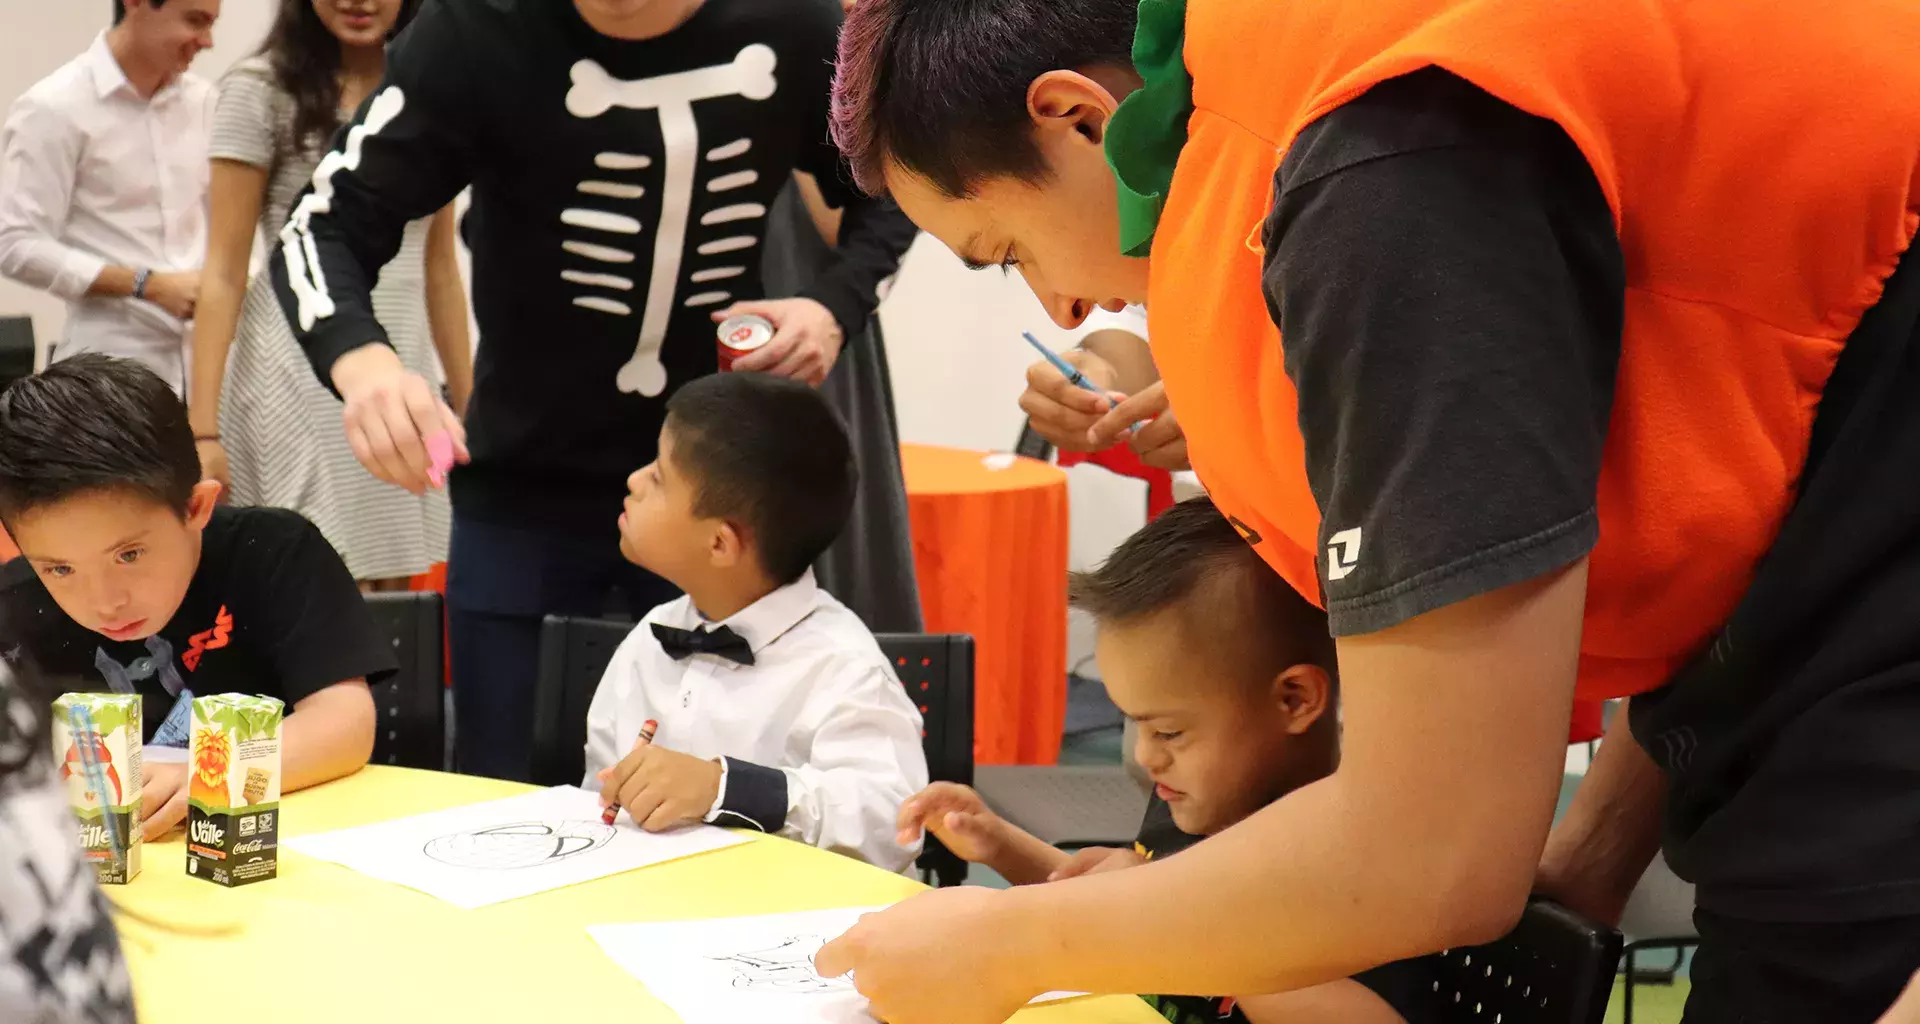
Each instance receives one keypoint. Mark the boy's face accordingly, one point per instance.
(1218, 748)
(659, 531)
(115, 561)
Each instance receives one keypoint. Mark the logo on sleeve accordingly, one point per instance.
(211, 640)
(1343, 554)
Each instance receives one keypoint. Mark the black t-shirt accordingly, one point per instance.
(1449, 288)
(620, 192)
(1405, 985)
(271, 610)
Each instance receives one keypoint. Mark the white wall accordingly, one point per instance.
(959, 365)
(37, 36)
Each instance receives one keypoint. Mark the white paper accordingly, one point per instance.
(504, 849)
(733, 969)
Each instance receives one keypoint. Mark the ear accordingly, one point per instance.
(1065, 104)
(1304, 694)
(727, 546)
(201, 502)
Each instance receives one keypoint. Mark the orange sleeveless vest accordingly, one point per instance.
(1762, 161)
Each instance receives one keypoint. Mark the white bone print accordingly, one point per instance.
(594, 92)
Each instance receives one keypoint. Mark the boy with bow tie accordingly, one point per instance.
(775, 708)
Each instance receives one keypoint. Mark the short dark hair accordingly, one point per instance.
(92, 423)
(1191, 560)
(771, 454)
(939, 87)
(120, 9)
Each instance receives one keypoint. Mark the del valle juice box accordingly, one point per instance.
(233, 795)
(110, 817)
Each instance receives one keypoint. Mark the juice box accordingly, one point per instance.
(115, 744)
(233, 795)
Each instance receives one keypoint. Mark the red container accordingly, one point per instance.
(740, 335)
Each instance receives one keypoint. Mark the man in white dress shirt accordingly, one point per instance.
(775, 708)
(103, 186)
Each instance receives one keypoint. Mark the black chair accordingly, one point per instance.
(1032, 445)
(937, 671)
(573, 656)
(16, 349)
(412, 705)
(1555, 967)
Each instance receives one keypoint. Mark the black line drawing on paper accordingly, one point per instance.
(785, 967)
(526, 844)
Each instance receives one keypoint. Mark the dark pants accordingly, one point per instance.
(1790, 744)
(502, 582)
(1750, 972)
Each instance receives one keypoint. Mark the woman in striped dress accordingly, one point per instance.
(265, 425)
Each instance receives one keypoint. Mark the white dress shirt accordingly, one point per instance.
(818, 740)
(93, 175)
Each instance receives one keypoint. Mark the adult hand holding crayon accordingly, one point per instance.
(1061, 410)
(1146, 422)
(396, 423)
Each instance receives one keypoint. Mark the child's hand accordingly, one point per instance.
(661, 788)
(163, 800)
(1096, 859)
(960, 819)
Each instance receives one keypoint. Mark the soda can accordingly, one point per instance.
(740, 335)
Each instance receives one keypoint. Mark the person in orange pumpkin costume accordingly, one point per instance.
(1554, 349)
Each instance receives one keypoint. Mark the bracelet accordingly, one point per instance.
(206, 438)
(140, 282)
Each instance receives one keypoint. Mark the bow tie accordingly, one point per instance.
(680, 644)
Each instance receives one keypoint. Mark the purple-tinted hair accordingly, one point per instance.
(939, 87)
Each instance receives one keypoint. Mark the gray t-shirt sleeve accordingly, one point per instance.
(246, 117)
(1449, 289)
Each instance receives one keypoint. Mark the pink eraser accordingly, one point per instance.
(439, 457)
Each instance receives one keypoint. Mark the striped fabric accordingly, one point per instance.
(281, 426)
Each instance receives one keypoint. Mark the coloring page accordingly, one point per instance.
(504, 849)
(728, 970)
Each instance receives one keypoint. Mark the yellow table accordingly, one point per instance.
(322, 943)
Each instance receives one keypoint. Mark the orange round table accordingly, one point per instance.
(990, 554)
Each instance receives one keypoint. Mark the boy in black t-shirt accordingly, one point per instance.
(1230, 676)
(132, 579)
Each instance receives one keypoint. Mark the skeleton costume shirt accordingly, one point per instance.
(620, 190)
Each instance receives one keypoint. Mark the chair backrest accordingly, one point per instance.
(1555, 967)
(1032, 445)
(573, 656)
(16, 349)
(937, 671)
(412, 725)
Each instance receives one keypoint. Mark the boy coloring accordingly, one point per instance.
(776, 709)
(133, 579)
(1221, 739)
